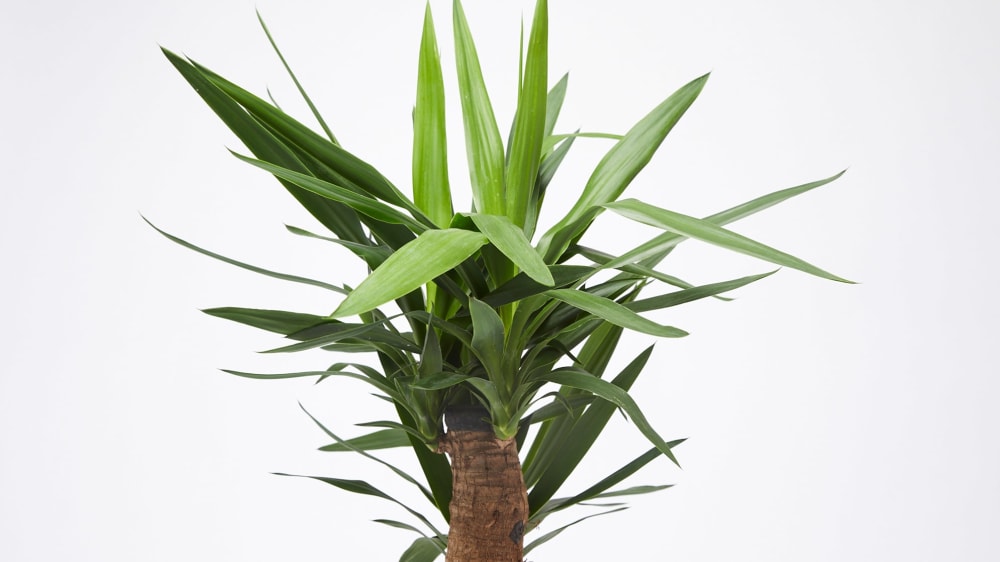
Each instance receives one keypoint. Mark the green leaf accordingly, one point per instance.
(552, 534)
(401, 473)
(373, 255)
(613, 312)
(360, 203)
(482, 136)
(487, 338)
(618, 167)
(364, 488)
(381, 439)
(694, 293)
(634, 490)
(278, 321)
(423, 550)
(302, 92)
(439, 381)
(560, 458)
(431, 254)
(431, 191)
(529, 121)
(654, 250)
(706, 231)
(511, 242)
(248, 267)
(613, 394)
(604, 484)
(554, 102)
(264, 144)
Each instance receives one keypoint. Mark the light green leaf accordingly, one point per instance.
(618, 167)
(554, 102)
(511, 242)
(613, 394)
(705, 231)
(482, 136)
(529, 122)
(431, 254)
(431, 191)
(613, 312)
(487, 338)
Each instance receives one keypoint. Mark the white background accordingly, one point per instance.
(827, 422)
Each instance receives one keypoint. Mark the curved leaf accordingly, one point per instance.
(615, 395)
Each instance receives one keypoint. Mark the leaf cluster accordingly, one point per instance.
(473, 307)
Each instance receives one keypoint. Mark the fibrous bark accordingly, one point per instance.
(489, 504)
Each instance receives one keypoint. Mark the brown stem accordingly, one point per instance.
(489, 504)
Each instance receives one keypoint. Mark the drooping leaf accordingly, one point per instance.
(564, 456)
(613, 394)
(399, 472)
(423, 550)
(364, 488)
(429, 255)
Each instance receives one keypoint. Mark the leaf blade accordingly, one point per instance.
(429, 255)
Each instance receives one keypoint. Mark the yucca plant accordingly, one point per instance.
(492, 342)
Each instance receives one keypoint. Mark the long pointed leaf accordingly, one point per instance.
(482, 137)
(511, 242)
(431, 191)
(706, 231)
(613, 312)
(248, 267)
(295, 80)
(615, 395)
(618, 167)
(429, 255)
(529, 122)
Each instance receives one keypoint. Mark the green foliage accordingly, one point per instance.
(525, 328)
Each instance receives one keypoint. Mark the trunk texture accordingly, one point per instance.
(489, 504)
